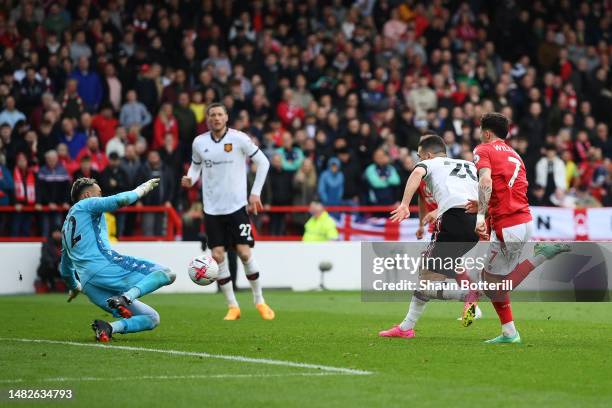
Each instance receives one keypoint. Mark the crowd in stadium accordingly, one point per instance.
(336, 93)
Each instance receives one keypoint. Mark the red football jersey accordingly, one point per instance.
(508, 205)
(427, 197)
(430, 203)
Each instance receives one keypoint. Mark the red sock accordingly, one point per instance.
(503, 308)
(518, 274)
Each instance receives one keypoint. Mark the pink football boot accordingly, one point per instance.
(395, 331)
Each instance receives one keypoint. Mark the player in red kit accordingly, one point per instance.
(502, 193)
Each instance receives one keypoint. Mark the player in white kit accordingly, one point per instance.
(452, 182)
(220, 156)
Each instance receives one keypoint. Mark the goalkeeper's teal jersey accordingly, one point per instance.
(86, 249)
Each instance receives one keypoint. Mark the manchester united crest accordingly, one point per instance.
(227, 147)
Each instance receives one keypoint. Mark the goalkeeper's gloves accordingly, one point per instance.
(72, 293)
(146, 187)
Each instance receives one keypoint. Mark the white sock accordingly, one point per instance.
(250, 268)
(228, 288)
(417, 306)
(508, 329)
(257, 292)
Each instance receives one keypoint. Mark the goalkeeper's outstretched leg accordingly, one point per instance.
(135, 315)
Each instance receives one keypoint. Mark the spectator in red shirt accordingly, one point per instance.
(564, 66)
(465, 30)
(165, 123)
(98, 159)
(582, 146)
(460, 95)
(25, 194)
(420, 20)
(65, 160)
(9, 36)
(105, 124)
(287, 110)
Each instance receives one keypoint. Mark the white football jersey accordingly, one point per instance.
(224, 170)
(451, 181)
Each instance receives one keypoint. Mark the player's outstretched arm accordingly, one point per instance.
(145, 188)
(403, 210)
(114, 202)
(263, 165)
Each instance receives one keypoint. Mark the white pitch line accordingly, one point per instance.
(241, 359)
(162, 377)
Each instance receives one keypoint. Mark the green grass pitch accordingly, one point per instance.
(564, 360)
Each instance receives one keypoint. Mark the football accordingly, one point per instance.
(203, 270)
